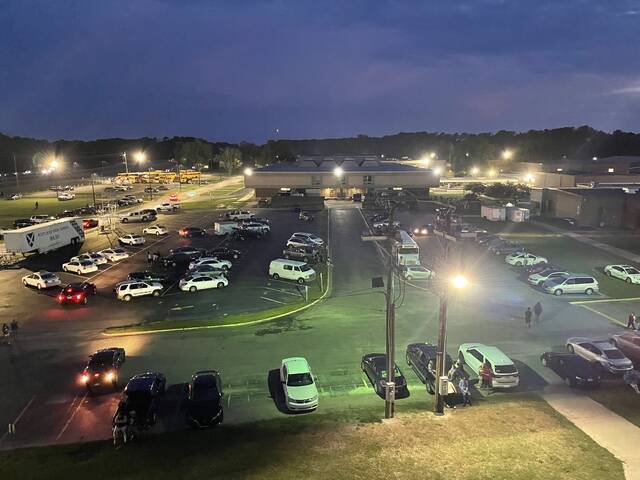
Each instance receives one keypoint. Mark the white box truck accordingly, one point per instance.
(224, 228)
(45, 237)
(495, 214)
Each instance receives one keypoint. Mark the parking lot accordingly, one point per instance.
(333, 335)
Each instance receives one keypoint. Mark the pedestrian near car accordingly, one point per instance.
(14, 328)
(463, 387)
(527, 317)
(486, 375)
(631, 321)
(154, 257)
(537, 310)
(36, 205)
(149, 257)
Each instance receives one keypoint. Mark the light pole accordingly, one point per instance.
(126, 165)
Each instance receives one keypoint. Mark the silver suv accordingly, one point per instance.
(572, 283)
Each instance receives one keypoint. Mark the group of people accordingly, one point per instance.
(125, 422)
(153, 257)
(528, 314)
(9, 331)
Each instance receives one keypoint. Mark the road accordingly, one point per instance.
(52, 407)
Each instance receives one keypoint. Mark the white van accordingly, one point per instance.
(301, 272)
(138, 217)
(572, 283)
(225, 228)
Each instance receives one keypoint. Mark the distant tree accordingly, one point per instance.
(230, 159)
(196, 153)
(38, 161)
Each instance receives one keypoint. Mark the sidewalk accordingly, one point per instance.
(610, 431)
(619, 252)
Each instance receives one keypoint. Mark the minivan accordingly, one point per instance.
(143, 216)
(301, 272)
(572, 283)
(504, 372)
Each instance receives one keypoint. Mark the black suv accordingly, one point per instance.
(421, 357)
(302, 254)
(204, 407)
(103, 367)
(142, 394)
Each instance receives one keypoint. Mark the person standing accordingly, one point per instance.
(36, 205)
(631, 321)
(485, 375)
(537, 310)
(154, 258)
(149, 258)
(527, 317)
(14, 328)
(463, 386)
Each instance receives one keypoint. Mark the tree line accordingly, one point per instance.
(461, 150)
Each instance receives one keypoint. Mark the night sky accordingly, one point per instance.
(237, 70)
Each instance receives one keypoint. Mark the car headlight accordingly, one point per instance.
(579, 378)
(110, 376)
(85, 378)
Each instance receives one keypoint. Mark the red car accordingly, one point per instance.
(173, 197)
(76, 293)
(89, 223)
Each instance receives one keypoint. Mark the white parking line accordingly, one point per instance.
(282, 291)
(22, 412)
(272, 300)
(66, 425)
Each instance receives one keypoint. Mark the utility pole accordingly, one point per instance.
(390, 387)
(442, 341)
(15, 169)
(93, 190)
(126, 165)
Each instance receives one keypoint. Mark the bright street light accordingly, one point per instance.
(432, 154)
(338, 171)
(140, 156)
(437, 171)
(492, 173)
(248, 172)
(507, 154)
(474, 170)
(459, 281)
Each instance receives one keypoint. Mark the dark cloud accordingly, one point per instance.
(237, 70)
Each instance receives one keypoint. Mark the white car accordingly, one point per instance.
(624, 272)
(417, 272)
(40, 280)
(521, 259)
(66, 196)
(115, 254)
(80, 267)
(94, 257)
(547, 274)
(223, 265)
(255, 227)
(131, 239)
(40, 218)
(300, 242)
(202, 281)
(300, 390)
(15, 196)
(240, 215)
(167, 207)
(504, 372)
(310, 237)
(135, 288)
(601, 352)
(155, 230)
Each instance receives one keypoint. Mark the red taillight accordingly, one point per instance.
(182, 232)
(79, 296)
(60, 297)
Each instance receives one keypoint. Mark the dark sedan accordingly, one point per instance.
(421, 230)
(421, 357)
(573, 369)
(76, 293)
(103, 368)
(629, 344)
(142, 395)
(148, 276)
(195, 252)
(223, 253)
(374, 366)
(179, 259)
(189, 232)
(204, 408)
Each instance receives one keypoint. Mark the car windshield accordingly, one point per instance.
(614, 354)
(383, 372)
(299, 379)
(632, 271)
(48, 276)
(305, 268)
(118, 250)
(505, 369)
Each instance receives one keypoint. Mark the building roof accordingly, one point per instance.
(594, 192)
(348, 164)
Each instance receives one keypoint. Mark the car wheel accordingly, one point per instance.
(589, 291)
(84, 301)
(569, 381)
(519, 264)
(287, 257)
(540, 283)
(276, 276)
(175, 264)
(544, 362)
(220, 285)
(461, 357)
(156, 293)
(144, 219)
(409, 277)
(125, 220)
(193, 289)
(65, 269)
(235, 256)
(609, 273)
(557, 292)
(127, 298)
(628, 280)
(570, 348)
(407, 358)
(225, 268)
(39, 287)
(24, 282)
(301, 281)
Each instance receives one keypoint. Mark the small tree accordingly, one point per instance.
(230, 159)
(194, 154)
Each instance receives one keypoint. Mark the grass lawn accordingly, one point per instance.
(517, 437)
(11, 210)
(620, 399)
(567, 252)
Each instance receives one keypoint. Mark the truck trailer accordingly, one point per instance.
(45, 237)
(495, 214)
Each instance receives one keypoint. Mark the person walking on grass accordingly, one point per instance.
(537, 310)
(631, 321)
(36, 205)
(527, 317)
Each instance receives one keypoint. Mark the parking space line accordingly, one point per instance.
(22, 412)
(272, 300)
(608, 317)
(282, 291)
(66, 425)
(169, 288)
(605, 300)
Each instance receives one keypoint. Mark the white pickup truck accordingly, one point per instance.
(167, 207)
(45, 237)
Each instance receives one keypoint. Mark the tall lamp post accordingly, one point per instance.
(458, 282)
(126, 165)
